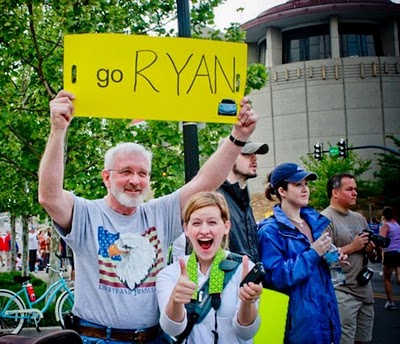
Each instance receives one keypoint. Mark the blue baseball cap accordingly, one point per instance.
(291, 173)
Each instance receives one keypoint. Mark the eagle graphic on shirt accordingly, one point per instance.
(129, 260)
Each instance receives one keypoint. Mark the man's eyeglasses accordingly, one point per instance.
(128, 173)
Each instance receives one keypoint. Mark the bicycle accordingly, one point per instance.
(14, 311)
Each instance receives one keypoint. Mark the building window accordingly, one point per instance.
(309, 43)
(359, 40)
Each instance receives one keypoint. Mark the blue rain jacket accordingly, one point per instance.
(295, 269)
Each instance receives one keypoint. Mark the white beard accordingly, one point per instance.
(126, 200)
(137, 258)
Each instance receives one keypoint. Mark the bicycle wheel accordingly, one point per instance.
(11, 319)
(64, 305)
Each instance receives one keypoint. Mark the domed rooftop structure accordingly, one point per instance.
(296, 12)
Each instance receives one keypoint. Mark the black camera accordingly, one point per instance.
(255, 275)
(377, 239)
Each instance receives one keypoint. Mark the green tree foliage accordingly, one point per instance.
(257, 77)
(388, 175)
(328, 167)
(31, 72)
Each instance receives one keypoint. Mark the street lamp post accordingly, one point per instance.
(190, 138)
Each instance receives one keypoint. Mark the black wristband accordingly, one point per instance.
(236, 142)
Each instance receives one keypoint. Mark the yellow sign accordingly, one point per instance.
(159, 78)
(273, 309)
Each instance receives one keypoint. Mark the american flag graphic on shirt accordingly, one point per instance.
(107, 265)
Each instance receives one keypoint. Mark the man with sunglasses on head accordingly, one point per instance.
(243, 233)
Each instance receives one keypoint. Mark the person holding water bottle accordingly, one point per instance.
(292, 248)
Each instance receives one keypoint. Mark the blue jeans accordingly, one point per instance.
(161, 339)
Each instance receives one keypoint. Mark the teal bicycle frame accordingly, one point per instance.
(26, 310)
(53, 289)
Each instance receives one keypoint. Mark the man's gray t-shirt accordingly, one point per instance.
(117, 258)
(343, 228)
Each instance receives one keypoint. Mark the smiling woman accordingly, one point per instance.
(191, 280)
(206, 224)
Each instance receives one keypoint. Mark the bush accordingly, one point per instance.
(388, 175)
(328, 167)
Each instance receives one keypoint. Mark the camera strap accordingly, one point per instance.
(199, 308)
(365, 259)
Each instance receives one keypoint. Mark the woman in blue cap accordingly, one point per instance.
(292, 245)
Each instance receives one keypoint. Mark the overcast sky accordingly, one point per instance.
(226, 13)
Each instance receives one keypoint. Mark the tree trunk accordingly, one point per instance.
(54, 261)
(13, 251)
(25, 245)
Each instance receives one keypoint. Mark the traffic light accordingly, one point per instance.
(342, 144)
(318, 151)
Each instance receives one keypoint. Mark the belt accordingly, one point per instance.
(132, 336)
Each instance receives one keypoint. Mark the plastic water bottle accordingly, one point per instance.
(31, 292)
(332, 256)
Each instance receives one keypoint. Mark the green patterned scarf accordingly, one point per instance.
(216, 274)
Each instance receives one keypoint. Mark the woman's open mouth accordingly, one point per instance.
(205, 244)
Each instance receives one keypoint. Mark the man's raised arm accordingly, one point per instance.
(57, 202)
(216, 169)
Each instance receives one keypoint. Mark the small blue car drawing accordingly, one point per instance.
(227, 107)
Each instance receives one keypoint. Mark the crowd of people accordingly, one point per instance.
(126, 292)
(39, 250)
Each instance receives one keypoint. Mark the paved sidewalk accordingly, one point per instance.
(42, 275)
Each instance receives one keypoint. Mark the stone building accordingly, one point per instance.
(334, 72)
